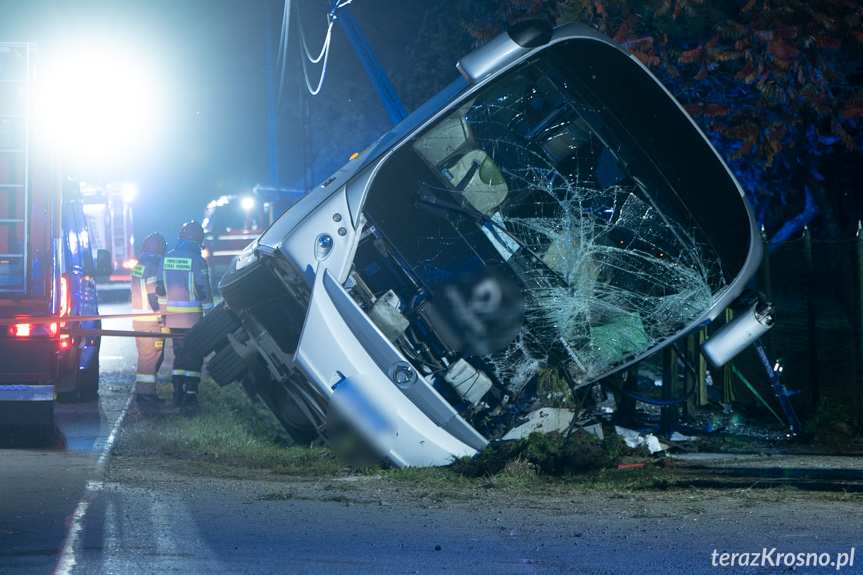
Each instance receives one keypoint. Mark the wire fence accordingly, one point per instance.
(817, 287)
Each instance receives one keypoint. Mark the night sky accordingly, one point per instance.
(209, 56)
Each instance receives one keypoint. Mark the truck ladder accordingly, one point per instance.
(16, 65)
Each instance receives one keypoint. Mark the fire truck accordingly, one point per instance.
(108, 210)
(232, 221)
(47, 269)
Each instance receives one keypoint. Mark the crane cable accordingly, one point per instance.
(324, 54)
(281, 58)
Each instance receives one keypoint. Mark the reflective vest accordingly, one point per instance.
(184, 280)
(144, 277)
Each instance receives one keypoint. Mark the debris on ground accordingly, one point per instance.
(552, 454)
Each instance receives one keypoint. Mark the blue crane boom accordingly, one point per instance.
(386, 92)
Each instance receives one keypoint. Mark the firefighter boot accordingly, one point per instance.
(179, 393)
(191, 399)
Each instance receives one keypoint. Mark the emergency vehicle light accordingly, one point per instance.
(65, 298)
(30, 330)
(129, 264)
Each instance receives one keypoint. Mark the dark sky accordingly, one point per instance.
(210, 59)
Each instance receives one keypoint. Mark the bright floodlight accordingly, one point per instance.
(248, 203)
(101, 104)
(130, 192)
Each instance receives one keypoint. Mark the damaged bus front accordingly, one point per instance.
(551, 218)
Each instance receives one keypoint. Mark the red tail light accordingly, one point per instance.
(20, 330)
(34, 330)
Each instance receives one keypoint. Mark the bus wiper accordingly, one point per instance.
(429, 200)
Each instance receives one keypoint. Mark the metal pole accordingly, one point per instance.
(669, 380)
(689, 376)
(764, 281)
(728, 394)
(860, 321)
(703, 398)
(272, 119)
(810, 316)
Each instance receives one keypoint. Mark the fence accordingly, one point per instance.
(817, 287)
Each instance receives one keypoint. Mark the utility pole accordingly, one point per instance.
(272, 119)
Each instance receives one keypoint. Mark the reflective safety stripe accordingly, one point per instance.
(207, 305)
(151, 280)
(145, 377)
(146, 315)
(186, 373)
(183, 308)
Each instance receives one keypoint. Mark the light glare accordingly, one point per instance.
(101, 103)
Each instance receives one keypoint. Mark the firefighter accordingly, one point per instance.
(184, 293)
(151, 350)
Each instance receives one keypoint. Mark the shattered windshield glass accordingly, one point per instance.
(534, 179)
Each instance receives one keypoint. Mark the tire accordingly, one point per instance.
(249, 286)
(210, 334)
(67, 383)
(79, 384)
(299, 428)
(88, 380)
(226, 366)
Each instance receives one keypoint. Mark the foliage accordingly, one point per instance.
(775, 84)
(833, 426)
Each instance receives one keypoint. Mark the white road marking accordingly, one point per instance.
(103, 357)
(75, 521)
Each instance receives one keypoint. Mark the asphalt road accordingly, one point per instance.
(41, 488)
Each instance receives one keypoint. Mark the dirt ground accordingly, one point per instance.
(710, 479)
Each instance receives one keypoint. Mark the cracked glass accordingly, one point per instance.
(535, 178)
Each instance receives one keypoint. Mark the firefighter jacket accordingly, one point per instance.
(144, 277)
(183, 286)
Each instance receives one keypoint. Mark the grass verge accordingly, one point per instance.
(231, 432)
(228, 427)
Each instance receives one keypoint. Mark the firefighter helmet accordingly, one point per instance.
(154, 244)
(192, 231)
